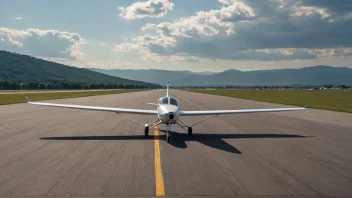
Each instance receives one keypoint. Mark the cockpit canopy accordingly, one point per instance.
(168, 100)
(164, 100)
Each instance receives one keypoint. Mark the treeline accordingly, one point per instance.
(7, 85)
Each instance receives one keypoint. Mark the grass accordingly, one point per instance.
(55, 90)
(336, 100)
(21, 98)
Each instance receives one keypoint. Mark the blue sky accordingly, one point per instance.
(198, 35)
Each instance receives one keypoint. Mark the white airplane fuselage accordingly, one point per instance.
(168, 112)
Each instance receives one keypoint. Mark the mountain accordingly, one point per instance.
(22, 68)
(205, 73)
(151, 75)
(314, 75)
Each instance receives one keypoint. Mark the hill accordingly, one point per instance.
(314, 75)
(22, 68)
(151, 75)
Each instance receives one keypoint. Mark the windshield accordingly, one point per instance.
(164, 100)
(173, 101)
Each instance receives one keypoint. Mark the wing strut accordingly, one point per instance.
(130, 119)
(152, 124)
(194, 124)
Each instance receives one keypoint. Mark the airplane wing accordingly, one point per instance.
(218, 112)
(95, 108)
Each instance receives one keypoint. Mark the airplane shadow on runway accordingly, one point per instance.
(179, 139)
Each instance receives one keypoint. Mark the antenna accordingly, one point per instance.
(167, 89)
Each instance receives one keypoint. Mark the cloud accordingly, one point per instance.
(265, 30)
(336, 52)
(116, 64)
(332, 6)
(124, 38)
(142, 48)
(308, 11)
(211, 23)
(18, 18)
(43, 43)
(147, 9)
(113, 64)
(160, 40)
(170, 58)
(131, 47)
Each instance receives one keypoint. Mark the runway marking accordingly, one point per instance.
(159, 181)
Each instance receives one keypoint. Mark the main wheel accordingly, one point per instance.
(190, 131)
(168, 139)
(146, 131)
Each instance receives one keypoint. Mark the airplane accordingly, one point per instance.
(168, 112)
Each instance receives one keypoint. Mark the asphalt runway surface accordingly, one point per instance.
(55, 152)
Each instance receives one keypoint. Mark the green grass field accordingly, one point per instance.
(336, 100)
(21, 98)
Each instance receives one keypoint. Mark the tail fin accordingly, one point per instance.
(167, 89)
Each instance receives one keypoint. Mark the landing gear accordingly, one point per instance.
(189, 131)
(168, 138)
(146, 131)
(168, 135)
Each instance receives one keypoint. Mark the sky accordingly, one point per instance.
(195, 35)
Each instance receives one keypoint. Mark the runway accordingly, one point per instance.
(53, 152)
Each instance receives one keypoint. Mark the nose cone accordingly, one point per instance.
(170, 111)
(168, 114)
(171, 108)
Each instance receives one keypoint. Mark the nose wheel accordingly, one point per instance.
(168, 138)
(168, 135)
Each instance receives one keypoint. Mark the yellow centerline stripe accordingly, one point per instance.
(159, 181)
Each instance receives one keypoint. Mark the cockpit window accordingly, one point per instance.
(173, 101)
(164, 101)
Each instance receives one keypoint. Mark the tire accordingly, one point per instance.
(190, 131)
(146, 131)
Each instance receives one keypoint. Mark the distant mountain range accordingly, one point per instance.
(314, 75)
(22, 68)
(150, 75)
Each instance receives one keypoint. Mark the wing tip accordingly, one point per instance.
(306, 106)
(28, 100)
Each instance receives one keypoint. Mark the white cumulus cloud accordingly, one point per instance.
(263, 30)
(42, 43)
(147, 9)
(208, 23)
